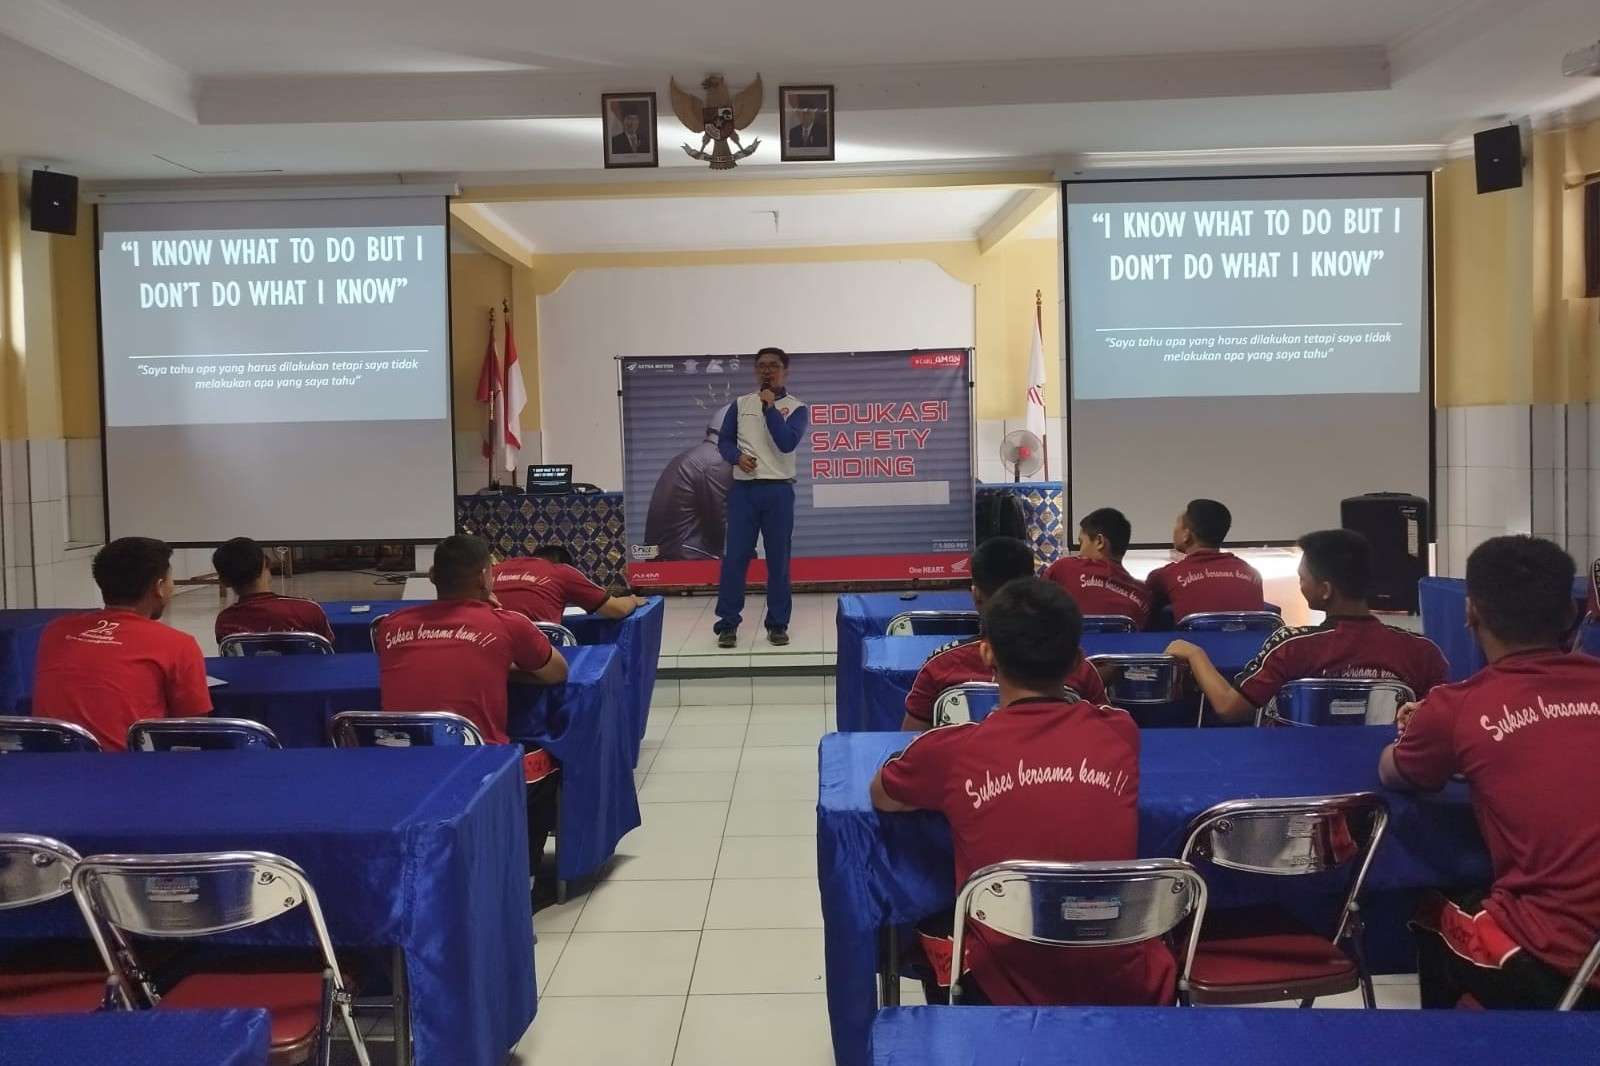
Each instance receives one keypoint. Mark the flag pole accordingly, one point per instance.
(505, 399)
(494, 482)
(1038, 322)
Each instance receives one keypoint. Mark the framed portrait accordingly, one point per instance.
(629, 124)
(805, 115)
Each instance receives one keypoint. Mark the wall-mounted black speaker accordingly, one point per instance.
(1498, 156)
(1396, 526)
(53, 203)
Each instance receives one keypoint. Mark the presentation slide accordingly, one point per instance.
(1261, 341)
(268, 360)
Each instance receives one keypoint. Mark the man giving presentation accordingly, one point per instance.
(758, 439)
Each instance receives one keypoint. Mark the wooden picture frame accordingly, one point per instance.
(807, 123)
(618, 134)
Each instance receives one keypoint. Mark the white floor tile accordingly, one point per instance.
(625, 964)
(776, 785)
(546, 954)
(686, 787)
(714, 692)
(800, 757)
(712, 716)
(777, 856)
(785, 712)
(559, 917)
(748, 817)
(789, 690)
(783, 734)
(683, 735)
(765, 903)
(677, 841)
(772, 1030)
(751, 960)
(697, 759)
(645, 906)
(615, 1030)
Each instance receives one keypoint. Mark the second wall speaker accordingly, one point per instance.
(53, 203)
(1497, 153)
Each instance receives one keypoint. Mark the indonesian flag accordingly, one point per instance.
(516, 398)
(490, 389)
(1036, 410)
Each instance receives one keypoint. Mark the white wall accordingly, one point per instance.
(653, 311)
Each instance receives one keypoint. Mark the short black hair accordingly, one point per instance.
(127, 567)
(1110, 523)
(1209, 521)
(1341, 557)
(999, 560)
(779, 352)
(1034, 628)
(458, 559)
(554, 553)
(238, 562)
(1521, 588)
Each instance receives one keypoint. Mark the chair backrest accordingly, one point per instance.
(1231, 622)
(1580, 980)
(416, 729)
(201, 734)
(1292, 837)
(1081, 904)
(27, 735)
(560, 636)
(933, 624)
(969, 702)
(1320, 701)
(1141, 680)
(34, 869)
(244, 645)
(1108, 623)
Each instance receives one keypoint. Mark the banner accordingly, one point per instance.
(884, 490)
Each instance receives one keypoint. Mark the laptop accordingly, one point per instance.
(549, 480)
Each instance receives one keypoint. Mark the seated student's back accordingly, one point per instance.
(1095, 577)
(1206, 578)
(542, 586)
(242, 566)
(106, 669)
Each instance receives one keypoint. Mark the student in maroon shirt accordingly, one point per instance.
(458, 654)
(242, 566)
(1094, 578)
(1206, 578)
(543, 585)
(107, 669)
(1003, 786)
(997, 562)
(1335, 571)
(1525, 732)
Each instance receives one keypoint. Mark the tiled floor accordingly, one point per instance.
(688, 643)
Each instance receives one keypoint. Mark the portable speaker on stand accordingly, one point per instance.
(1396, 525)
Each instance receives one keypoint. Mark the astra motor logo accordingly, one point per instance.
(633, 366)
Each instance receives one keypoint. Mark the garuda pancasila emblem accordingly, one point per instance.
(718, 119)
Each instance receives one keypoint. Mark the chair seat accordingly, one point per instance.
(1257, 954)
(66, 992)
(294, 1001)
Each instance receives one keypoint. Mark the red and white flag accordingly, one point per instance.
(491, 386)
(516, 398)
(1036, 409)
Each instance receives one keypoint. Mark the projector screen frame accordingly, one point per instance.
(450, 388)
(1070, 518)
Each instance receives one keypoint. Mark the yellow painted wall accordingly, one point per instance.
(477, 284)
(13, 399)
(77, 346)
(30, 386)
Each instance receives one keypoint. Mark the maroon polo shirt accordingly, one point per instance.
(1359, 648)
(268, 612)
(959, 662)
(1207, 580)
(1526, 733)
(542, 590)
(1044, 780)
(1099, 586)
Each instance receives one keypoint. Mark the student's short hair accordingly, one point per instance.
(779, 352)
(553, 553)
(459, 559)
(1034, 629)
(127, 567)
(1341, 557)
(238, 562)
(1209, 521)
(1521, 588)
(999, 560)
(1110, 523)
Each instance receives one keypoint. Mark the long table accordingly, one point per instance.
(867, 614)
(1443, 604)
(637, 639)
(137, 1038)
(882, 870)
(582, 723)
(421, 850)
(890, 664)
(19, 646)
(1223, 1036)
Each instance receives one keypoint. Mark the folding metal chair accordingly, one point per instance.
(36, 869)
(1580, 980)
(1108, 623)
(182, 897)
(1080, 904)
(969, 702)
(1263, 953)
(1141, 680)
(201, 734)
(560, 636)
(246, 645)
(933, 624)
(1231, 622)
(421, 729)
(1327, 701)
(28, 735)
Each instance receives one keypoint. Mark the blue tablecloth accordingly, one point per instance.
(637, 639)
(424, 850)
(1224, 1036)
(137, 1038)
(890, 869)
(890, 665)
(583, 723)
(1443, 604)
(867, 614)
(19, 646)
